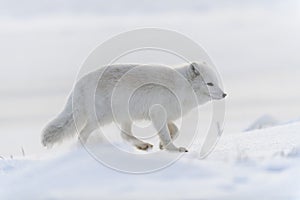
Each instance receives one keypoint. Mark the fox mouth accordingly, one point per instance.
(218, 97)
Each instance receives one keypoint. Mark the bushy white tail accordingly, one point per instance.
(61, 127)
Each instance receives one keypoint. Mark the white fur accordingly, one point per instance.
(126, 92)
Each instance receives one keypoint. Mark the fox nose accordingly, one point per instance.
(224, 95)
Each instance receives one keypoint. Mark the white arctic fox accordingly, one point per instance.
(126, 92)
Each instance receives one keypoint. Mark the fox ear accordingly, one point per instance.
(193, 69)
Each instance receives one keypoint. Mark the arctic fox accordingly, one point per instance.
(123, 93)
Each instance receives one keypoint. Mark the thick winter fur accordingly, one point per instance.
(126, 92)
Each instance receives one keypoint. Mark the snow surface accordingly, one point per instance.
(261, 164)
(264, 121)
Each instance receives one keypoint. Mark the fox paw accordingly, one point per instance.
(179, 149)
(144, 146)
(182, 149)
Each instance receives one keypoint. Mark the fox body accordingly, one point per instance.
(123, 93)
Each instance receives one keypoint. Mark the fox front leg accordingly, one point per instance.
(174, 132)
(158, 118)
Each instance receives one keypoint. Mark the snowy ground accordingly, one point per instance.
(261, 164)
(254, 45)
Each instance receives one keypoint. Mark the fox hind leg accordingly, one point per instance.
(127, 135)
(86, 132)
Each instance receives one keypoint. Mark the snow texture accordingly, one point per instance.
(261, 164)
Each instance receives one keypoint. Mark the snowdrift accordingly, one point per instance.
(262, 164)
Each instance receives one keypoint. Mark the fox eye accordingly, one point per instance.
(210, 84)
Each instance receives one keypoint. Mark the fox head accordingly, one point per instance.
(204, 82)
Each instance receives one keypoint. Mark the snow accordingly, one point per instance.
(263, 122)
(261, 164)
